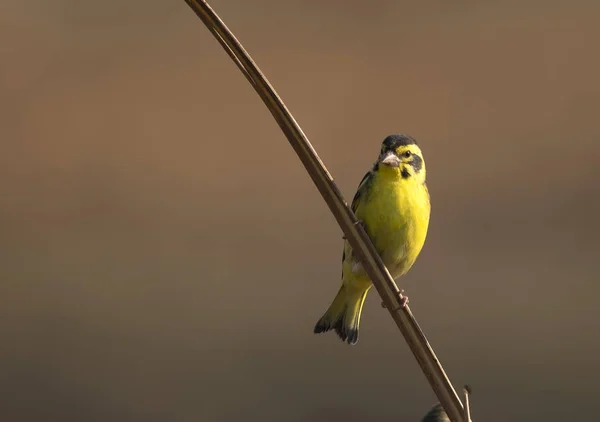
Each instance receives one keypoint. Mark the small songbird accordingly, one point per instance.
(392, 203)
(436, 414)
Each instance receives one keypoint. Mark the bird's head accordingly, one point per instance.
(400, 154)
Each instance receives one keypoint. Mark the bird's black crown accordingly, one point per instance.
(392, 142)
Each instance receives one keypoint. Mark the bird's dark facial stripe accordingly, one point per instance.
(416, 163)
(392, 142)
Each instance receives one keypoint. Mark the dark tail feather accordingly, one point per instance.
(343, 315)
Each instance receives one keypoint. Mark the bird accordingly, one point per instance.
(392, 204)
(436, 414)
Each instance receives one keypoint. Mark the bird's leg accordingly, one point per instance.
(362, 223)
(403, 300)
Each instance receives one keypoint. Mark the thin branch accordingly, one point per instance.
(360, 242)
(467, 394)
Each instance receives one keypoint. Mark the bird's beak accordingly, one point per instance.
(390, 159)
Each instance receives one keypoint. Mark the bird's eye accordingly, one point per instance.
(406, 154)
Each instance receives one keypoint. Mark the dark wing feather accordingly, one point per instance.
(363, 187)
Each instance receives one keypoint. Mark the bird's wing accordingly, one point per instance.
(363, 187)
(361, 192)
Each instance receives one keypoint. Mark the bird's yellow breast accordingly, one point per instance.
(396, 216)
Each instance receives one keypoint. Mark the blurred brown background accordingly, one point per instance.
(145, 275)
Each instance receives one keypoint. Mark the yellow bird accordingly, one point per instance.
(392, 202)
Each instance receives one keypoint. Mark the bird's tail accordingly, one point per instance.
(343, 314)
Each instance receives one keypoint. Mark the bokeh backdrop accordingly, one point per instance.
(164, 256)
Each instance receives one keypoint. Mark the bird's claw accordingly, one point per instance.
(403, 300)
(361, 222)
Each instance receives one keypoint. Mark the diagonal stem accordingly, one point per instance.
(360, 242)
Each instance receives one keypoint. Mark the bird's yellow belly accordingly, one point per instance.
(397, 218)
